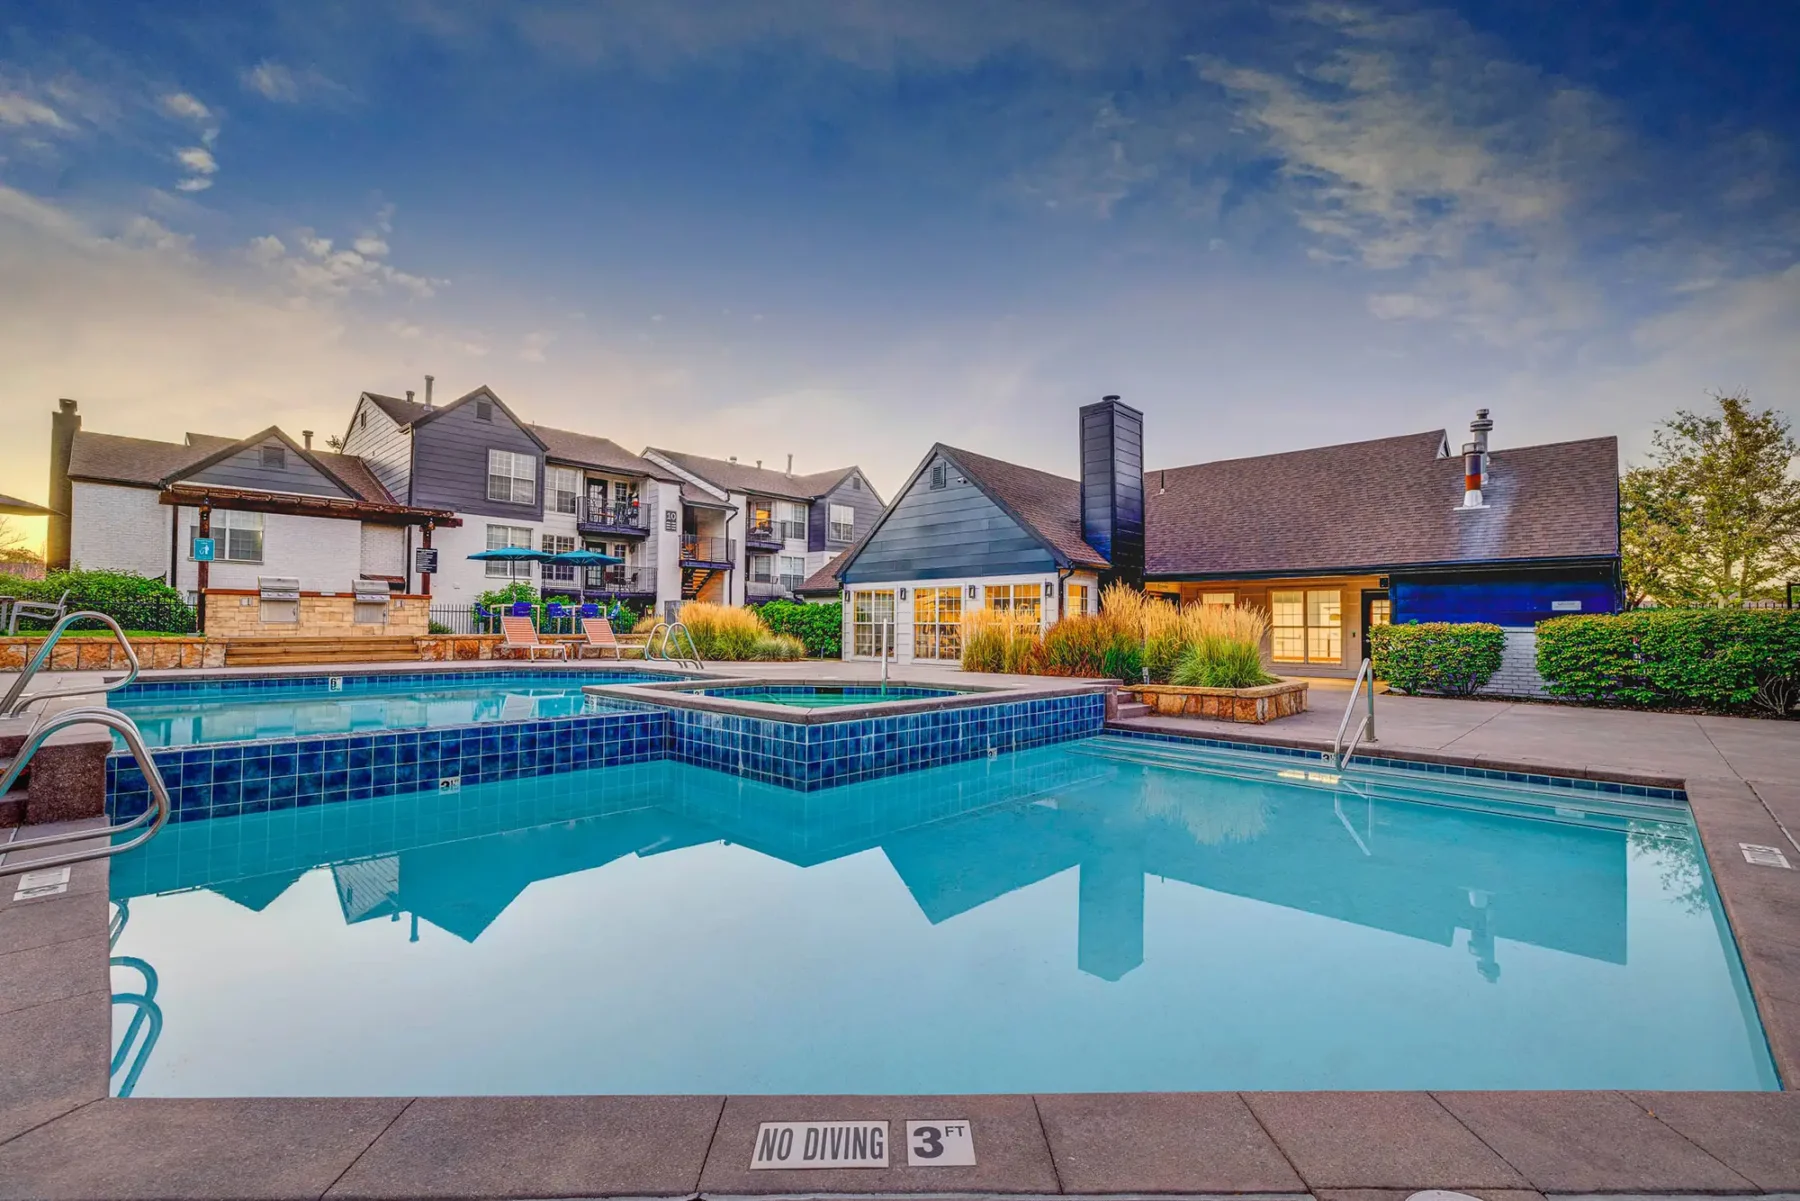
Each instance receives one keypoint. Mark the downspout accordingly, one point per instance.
(1062, 590)
(175, 547)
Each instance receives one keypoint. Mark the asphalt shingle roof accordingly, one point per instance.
(756, 481)
(1050, 505)
(567, 446)
(405, 412)
(118, 459)
(1389, 502)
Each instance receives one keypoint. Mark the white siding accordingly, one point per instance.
(384, 446)
(383, 549)
(119, 529)
(903, 609)
(324, 552)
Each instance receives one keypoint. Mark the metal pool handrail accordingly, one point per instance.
(147, 1011)
(157, 814)
(1365, 675)
(656, 652)
(16, 698)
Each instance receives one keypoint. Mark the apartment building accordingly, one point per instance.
(751, 533)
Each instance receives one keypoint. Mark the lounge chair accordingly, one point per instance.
(597, 634)
(38, 609)
(521, 635)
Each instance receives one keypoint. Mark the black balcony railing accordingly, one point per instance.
(591, 514)
(763, 534)
(707, 550)
(615, 579)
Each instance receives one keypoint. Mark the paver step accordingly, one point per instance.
(282, 652)
(1133, 709)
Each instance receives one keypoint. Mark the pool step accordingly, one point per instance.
(283, 652)
(1130, 709)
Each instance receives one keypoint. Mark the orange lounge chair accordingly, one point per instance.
(521, 635)
(597, 633)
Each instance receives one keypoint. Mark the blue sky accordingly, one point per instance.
(845, 229)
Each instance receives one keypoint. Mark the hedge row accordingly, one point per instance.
(1675, 658)
(135, 601)
(1437, 656)
(820, 627)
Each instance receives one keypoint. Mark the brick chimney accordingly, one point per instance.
(63, 424)
(1112, 487)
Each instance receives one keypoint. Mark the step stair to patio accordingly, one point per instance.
(297, 652)
(1130, 709)
(12, 805)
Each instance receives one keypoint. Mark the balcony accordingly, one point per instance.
(707, 552)
(617, 581)
(592, 517)
(764, 536)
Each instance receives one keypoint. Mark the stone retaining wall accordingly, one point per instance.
(104, 653)
(1256, 705)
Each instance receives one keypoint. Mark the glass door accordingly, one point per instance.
(937, 624)
(870, 612)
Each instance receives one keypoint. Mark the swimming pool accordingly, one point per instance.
(828, 696)
(195, 714)
(1097, 915)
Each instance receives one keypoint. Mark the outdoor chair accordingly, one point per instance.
(521, 635)
(521, 609)
(590, 609)
(39, 609)
(484, 617)
(597, 635)
(553, 611)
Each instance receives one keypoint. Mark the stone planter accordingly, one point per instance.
(101, 653)
(1261, 704)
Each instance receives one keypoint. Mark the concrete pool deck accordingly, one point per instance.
(62, 1136)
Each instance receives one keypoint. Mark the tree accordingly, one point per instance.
(1714, 519)
(12, 544)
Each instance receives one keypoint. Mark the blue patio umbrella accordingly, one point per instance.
(583, 558)
(514, 554)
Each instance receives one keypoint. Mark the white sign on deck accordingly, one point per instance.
(1763, 856)
(42, 884)
(940, 1143)
(821, 1145)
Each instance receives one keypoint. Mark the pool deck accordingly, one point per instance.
(62, 1136)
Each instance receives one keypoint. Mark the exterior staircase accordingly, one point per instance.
(298, 652)
(694, 581)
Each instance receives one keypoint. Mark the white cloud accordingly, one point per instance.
(195, 183)
(197, 159)
(20, 110)
(534, 346)
(185, 106)
(370, 246)
(284, 85)
(319, 267)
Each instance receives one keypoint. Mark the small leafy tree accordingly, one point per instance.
(1714, 519)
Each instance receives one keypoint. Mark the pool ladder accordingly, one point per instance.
(659, 652)
(1365, 730)
(17, 700)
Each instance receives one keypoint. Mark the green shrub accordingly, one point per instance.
(777, 647)
(1437, 656)
(1214, 662)
(1720, 659)
(820, 628)
(501, 600)
(437, 627)
(136, 602)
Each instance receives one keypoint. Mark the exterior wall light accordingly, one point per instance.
(1049, 588)
(902, 594)
(971, 592)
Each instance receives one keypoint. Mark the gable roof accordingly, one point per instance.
(1045, 505)
(825, 580)
(756, 481)
(586, 450)
(144, 462)
(404, 412)
(1387, 502)
(115, 459)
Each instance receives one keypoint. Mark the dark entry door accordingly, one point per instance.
(1377, 610)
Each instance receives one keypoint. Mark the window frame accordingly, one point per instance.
(512, 460)
(867, 607)
(790, 520)
(500, 568)
(1074, 607)
(556, 544)
(557, 498)
(272, 456)
(224, 523)
(840, 530)
(1306, 640)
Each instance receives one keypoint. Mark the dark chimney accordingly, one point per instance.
(409, 396)
(306, 436)
(790, 469)
(63, 424)
(1112, 487)
(428, 380)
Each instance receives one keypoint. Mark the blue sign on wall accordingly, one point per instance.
(203, 550)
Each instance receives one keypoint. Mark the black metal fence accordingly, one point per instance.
(158, 614)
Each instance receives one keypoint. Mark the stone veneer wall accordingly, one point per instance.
(238, 614)
(104, 653)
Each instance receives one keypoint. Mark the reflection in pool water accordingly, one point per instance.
(1099, 915)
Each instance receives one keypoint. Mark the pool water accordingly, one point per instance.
(1108, 914)
(194, 717)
